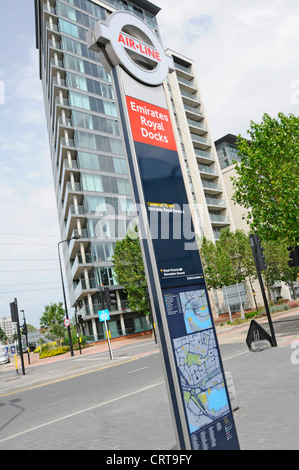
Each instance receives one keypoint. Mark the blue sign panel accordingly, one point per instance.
(104, 315)
(196, 352)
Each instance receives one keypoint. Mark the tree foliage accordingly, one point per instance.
(129, 271)
(278, 270)
(267, 180)
(229, 260)
(52, 320)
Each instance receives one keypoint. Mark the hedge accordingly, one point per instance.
(54, 352)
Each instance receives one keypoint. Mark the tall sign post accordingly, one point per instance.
(193, 368)
(15, 318)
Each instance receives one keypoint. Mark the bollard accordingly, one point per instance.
(16, 361)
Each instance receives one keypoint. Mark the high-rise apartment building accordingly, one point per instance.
(196, 148)
(89, 158)
(88, 153)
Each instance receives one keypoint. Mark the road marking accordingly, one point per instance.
(235, 355)
(83, 411)
(66, 378)
(136, 370)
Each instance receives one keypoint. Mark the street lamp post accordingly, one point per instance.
(26, 334)
(75, 237)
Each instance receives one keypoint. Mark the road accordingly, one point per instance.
(103, 407)
(95, 403)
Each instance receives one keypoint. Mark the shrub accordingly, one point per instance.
(251, 314)
(293, 304)
(54, 352)
(66, 341)
(279, 308)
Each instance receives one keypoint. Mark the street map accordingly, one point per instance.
(201, 378)
(195, 310)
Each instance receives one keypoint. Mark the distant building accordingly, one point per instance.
(8, 327)
(227, 151)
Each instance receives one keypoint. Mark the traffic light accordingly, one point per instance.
(14, 312)
(24, 329)
(259, 251)
(110, 297)
(294, 256)
(80, 319)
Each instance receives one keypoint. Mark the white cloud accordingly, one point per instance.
(245, 60)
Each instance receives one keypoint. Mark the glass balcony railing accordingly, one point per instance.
(185, 82)
(207, 169)
(204, 154)
(183, 69)
(193, 110)
(190, 96)
(215, 202)
(72, 186)
(219, 218)
(199, 138)
(211, 185)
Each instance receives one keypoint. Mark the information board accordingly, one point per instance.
(191, 330)
(194, 372)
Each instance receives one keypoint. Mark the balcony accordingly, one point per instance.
(197, 127)
(190, 99)
(207, 171)
(193, 112)
(68, 190)
(215, 203)
(199, 141)
(84, 287)
(203, 157)
(210, 187)
(220, 220)
(186, 85)
(63, 124)
(74, 244)
(65, 168)
(74, 213)
(64, 146)
(183, 72)
(80, 263)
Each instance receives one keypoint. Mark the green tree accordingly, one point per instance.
(267, 180)
(217, 267)
(278, 270)
(3, 336)
(52, 320)
(129, 271)
(229, 260)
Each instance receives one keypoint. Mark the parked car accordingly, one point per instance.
(4, 357)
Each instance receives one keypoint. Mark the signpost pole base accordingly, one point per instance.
(108, 338)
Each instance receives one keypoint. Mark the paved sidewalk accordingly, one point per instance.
(266, 382)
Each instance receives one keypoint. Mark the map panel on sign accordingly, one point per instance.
(201, 379)
(195, 310)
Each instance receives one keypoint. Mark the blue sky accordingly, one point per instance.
(245, 54)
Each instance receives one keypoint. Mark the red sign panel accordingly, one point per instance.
(150, 124)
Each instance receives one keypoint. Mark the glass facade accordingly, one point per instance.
(88, 155)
